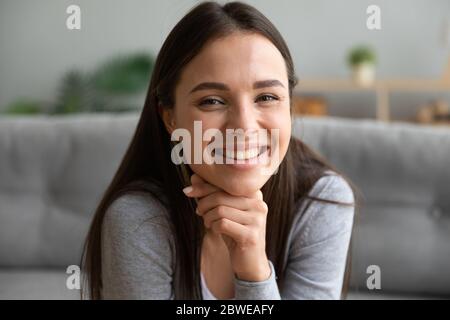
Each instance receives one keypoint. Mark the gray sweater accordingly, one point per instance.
(138, 250)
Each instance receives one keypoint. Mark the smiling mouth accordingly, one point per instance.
(248, 154)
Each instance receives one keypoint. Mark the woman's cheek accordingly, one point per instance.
(281, 133)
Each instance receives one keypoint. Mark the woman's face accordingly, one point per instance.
(249, 92)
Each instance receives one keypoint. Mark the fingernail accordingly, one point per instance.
(187, 190)
(196, 211)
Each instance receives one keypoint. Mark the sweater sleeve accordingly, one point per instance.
(137, 251)
(319, 243)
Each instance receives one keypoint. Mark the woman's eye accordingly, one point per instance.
(210, 101)
(266, 98)
(217, 102)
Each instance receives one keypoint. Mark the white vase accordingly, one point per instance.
(364, 74)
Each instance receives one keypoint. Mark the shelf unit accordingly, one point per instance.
(381, 87)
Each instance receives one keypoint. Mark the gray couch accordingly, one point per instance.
(53, 171)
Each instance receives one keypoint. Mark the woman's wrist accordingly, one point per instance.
(256, 275)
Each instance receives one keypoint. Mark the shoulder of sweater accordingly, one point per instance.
(320, 220)
(131, 210)
(332, 186)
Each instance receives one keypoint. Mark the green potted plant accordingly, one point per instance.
(113, 86)
(24, 106)
(362, 60)
(120, 80)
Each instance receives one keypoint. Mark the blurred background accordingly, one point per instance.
(38, 51)
(374, 102)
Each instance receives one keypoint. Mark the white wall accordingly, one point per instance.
(36, 48)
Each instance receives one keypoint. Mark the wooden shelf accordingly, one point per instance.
(381, 87)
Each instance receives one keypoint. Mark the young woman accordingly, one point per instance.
(203, 231)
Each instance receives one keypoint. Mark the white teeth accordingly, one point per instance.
(242, 155)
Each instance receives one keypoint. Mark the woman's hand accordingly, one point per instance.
(241, 221)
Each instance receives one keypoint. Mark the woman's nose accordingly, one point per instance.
(243, 115)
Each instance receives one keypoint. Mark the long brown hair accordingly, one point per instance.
(141, 166)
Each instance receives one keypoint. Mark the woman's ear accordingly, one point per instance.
(167, 115)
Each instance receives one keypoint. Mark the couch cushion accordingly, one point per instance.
(396, 163)
(50, 284)
(42, 284)
(386, 295)
(410, 247)
(53, 171)
(402, 171)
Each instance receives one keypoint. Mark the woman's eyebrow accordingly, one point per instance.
(267, 83)
(223, 86)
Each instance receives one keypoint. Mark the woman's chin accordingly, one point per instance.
(237, 184)
(240, 186)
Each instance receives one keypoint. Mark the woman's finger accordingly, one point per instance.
(195, 178)
(200, 190)
(199, 187)
(215, 199)
(238, 232)
(258, 195)
(230, 213)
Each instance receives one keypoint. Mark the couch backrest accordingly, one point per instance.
(53, 171)
(403, 171)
